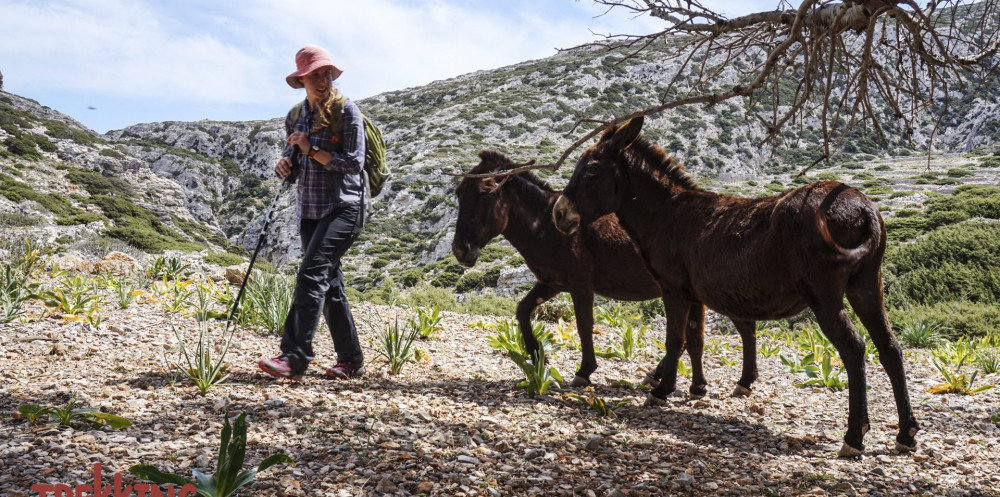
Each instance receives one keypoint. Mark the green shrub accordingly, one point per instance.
(976, 200)
(96, 184)
(478, 280)
(958, 319)
(75, 219)
(425, 295)
(18, 191)
(494, 252)
(489, 305)
(901, 228)
(445, 280)
(952, 263)
(224, 259)
(411, 277)
(990, 162)
(18, 220)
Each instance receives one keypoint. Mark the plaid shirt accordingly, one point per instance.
(321, 189)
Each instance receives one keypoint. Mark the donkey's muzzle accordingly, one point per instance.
(565, 216)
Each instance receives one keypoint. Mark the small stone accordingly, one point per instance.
(878, 472)
(684, 480)
(533, 453)
(424, 487)
(593, 442)
(86, 438)
(385, 486)
(468, 459)
(844, 488)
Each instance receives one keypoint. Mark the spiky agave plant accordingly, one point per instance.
(228, 477)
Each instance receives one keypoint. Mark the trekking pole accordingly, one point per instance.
(263, 236)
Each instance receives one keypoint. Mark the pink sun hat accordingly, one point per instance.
(308, 59)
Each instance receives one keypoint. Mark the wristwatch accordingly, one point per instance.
(312, 151)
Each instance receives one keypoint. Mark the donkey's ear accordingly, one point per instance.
(487, 185)
(627, 133)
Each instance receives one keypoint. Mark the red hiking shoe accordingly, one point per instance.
(345, 370)
(278, 367)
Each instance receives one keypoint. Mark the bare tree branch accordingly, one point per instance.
(877, 64)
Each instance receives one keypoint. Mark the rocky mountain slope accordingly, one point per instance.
(207, 183)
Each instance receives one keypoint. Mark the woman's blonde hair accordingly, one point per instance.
(324, 110)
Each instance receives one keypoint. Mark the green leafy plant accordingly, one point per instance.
(176, 293)
(595, 403)
(167, 268)
(268, 299)
(16, 286)
(921, 333)
(823, 375)
(428, 321)
(199, 367)
(796, 364)
(683, 368)
(768, 349)
(955, 381)
(508, 337)
(228, 477)
(204, 292)
(566, 335)
(988, 360)
(395, 345)
(632, 340)
(538, 378)
(124, 290)
(65, 416)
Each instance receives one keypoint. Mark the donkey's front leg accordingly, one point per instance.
(538, 295)
(583, 306)
(748, 334)
(694, 332)
(677, 318)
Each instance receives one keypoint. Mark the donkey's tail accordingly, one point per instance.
(842, 253)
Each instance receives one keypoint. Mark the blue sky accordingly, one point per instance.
(139, 61)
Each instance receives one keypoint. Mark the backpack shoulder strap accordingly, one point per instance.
(294, 112)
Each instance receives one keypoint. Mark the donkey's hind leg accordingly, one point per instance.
(864, 292)
(837, 327)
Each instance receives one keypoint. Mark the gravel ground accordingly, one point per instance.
(457, 425)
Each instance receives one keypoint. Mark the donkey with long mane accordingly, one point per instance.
(519, 208)
(748, 259)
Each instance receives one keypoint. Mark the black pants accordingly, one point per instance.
(319, 289)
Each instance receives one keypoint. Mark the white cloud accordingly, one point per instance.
(137, 55)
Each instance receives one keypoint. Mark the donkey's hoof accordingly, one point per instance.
(654, 401)
(900, 447)
(650, 380)
(741, 391)
(579, 381)
(846, 451)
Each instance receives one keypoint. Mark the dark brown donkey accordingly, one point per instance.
(748, 259)
(600, 258)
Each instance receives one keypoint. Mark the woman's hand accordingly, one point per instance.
(301, 139)
(284, 167)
